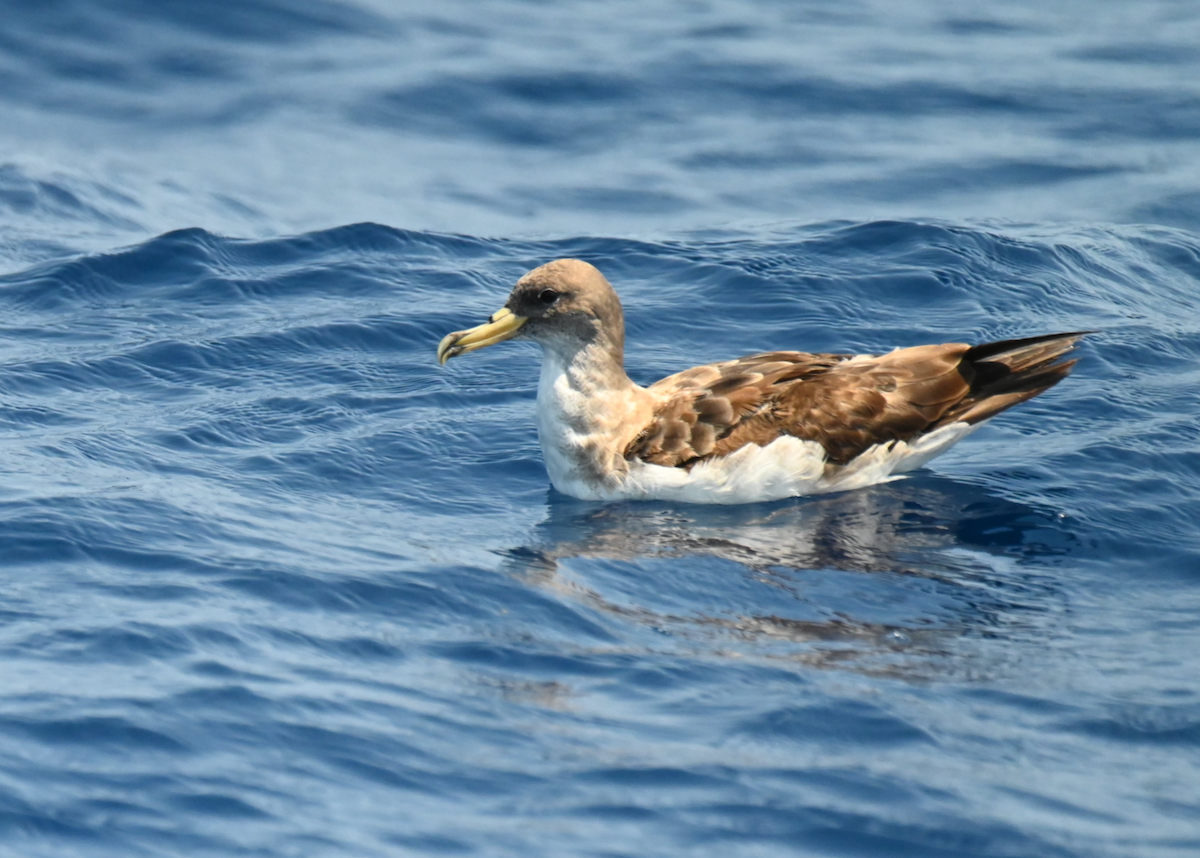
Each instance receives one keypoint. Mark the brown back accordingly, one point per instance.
(847, 404)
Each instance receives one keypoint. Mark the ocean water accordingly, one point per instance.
(274, 583)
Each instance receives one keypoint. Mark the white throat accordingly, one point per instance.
(588, 410)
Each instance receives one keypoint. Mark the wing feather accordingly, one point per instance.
(846, 403)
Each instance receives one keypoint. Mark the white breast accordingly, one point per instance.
(576, 429)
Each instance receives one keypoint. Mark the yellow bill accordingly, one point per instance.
(503, 325)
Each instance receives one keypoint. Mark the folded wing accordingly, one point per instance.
(846, 403)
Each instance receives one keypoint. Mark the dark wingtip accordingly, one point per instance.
(1065, 343)
(1009, 372)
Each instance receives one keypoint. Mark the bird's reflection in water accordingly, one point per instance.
(913, 566)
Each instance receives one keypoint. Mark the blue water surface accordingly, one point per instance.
(274, 583)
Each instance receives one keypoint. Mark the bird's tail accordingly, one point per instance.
(1006, 373)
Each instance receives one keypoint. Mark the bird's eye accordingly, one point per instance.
(548, 296)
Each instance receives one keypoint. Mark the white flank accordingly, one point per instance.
(787, 467)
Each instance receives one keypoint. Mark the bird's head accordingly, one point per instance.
(564, 305)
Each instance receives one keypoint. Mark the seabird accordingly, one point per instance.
(761, 427)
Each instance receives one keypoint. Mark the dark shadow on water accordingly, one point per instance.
(910, 567)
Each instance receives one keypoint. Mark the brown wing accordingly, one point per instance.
(846, 404)
(703, 406)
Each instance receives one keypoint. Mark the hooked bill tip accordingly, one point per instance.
(446, 348)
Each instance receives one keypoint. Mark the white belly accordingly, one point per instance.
(787, 467)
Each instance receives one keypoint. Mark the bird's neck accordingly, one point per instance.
(588, 412)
